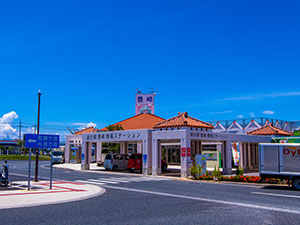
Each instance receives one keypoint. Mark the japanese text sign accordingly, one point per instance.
(41, 141)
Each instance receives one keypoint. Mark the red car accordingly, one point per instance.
(135, 162)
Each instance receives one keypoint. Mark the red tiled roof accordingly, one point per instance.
(269, 129)
(140, 121)
(86, 130)
(183, 120)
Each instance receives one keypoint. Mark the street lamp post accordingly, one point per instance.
(38, 131)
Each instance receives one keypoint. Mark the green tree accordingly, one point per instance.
(114, 127)
(2, 148)
(112, 147)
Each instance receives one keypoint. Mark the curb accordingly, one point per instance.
(98, 193)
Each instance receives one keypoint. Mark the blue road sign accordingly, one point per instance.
(41, 141)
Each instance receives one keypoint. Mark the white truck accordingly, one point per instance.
(280, 161)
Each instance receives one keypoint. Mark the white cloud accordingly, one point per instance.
(6, 129)
(84, 125)
(30, 130)
(240, 116)
(258, 96)
(268, 112)
(252, 114)
(91, 124)
(223, 112)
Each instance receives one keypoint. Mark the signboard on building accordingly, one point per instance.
(188, 152)
(235, 147)
(132, 135)
(41, 141)
(183, 152)
(144, 103)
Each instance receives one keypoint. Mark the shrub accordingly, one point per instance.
(239, 171)
(195, 171)
(216, 173)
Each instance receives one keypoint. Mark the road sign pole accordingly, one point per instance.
(51, 168)
(38, 132)
(29, 168)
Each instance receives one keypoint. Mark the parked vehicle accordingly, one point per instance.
(116, 162)
(58, 157)
(135, 162)
(280, 161)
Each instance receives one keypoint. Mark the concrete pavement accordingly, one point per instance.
(18, 196)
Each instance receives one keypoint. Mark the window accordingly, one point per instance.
(136, 156)
(58, 153)
(108, 157)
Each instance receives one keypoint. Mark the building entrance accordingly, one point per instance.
(171, 154)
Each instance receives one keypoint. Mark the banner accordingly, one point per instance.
(201, 161)
(235, 147)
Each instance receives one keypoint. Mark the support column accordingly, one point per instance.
(122, 148)
(67, 150)
(99, 153)
(84, 156)
(147, 157)
(185, 145)
(90, 145)
(256, 154)
(241, 154)
(245, 155)
(249, 155)
(227, 168)
(139, 148)
(155, 157)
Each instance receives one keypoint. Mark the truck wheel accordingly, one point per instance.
(296, 183)
(115, 168)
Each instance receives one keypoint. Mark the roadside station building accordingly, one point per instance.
(177, 139)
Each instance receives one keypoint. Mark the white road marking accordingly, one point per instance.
(277, 195)
(293, 211)
(114, 180)
(90, 182)
(103, 181)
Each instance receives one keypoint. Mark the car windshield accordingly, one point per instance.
(57, 153)
(136, 156)
(108, 157)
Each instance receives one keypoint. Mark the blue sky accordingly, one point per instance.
(215, 59)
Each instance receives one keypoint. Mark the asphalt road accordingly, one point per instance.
(133, 199)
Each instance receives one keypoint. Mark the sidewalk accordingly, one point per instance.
(41, 194)
(77, 166)
(94, 168)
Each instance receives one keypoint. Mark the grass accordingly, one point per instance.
(23, 157)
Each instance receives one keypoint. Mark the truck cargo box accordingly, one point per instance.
(280, 161)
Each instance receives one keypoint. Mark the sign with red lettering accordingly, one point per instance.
(183, 152)
(293, 152)
(188, 152)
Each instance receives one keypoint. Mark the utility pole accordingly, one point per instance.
(38, 131)
(20, 125)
